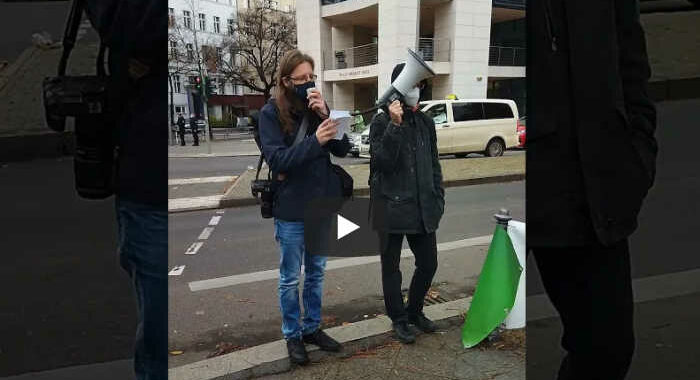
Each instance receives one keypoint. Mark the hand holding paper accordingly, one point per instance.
(344, 119)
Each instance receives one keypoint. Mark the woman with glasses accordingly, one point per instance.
(302, 171)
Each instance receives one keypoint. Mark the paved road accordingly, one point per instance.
(665, 244)
(242, 242)
(17, 26)
(65, 300)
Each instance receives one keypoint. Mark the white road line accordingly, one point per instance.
(206, 233)
(176, 271)
(221, 212)
(215, 220)
(645, 289)
(192, 250)
(272, 274)
(199, 180)
(194, 202)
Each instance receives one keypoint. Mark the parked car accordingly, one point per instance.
(354, 143)
(487, 126)
(521, 131)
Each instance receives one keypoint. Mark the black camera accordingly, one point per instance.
(262, 190)
(85, 99)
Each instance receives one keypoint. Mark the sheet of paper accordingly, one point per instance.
(344, 121)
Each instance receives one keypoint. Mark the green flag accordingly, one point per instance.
(495, 292)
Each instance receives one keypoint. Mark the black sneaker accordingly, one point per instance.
(404, 333)
(322, 340)
(422, 323)
(297, 351)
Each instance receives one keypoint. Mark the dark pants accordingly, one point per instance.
(181, 135)
(591, 288)
(143, 253)
(424, 249)
(195, 136)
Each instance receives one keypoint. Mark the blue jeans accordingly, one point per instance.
(143, 253)
(290, 236)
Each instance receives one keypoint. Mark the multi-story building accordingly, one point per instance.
(476, 47)
(198, 28)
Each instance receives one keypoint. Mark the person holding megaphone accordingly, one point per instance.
(406, 194)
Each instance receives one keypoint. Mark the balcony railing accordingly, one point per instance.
(432, 49)
(358, 56)
(506, 56)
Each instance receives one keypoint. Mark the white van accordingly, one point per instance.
(464, 126)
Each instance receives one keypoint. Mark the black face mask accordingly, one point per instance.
(300, 90)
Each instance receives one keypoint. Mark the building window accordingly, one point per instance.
(190, 52)
(219, 55)
(187, 19)
(177, 84)
(173, 49)
(222, 87)
(230, 27)
(171, 17)
(272, 4)
(202, 22)
(217, 24)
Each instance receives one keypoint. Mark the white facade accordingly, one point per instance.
(210, 20)
(357, 43)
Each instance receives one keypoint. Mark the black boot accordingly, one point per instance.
(422, 323)
(297, 351)
(322, 340)
(403, 332)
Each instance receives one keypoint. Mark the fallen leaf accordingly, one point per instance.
(246, 300)
(176, 352)
(345, 323)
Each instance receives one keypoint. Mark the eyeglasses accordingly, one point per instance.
(304, 78)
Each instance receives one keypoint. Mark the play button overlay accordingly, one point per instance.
(345, 227)
(339, 227)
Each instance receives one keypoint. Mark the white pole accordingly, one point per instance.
(516, 318)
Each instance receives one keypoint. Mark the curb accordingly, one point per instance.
(271, 358)
(674, 89)
(364, 191)
(31, 147)
(12, 68)
(211, 155)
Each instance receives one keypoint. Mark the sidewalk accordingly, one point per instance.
(434, 356)
(371, 352)
(219, 148)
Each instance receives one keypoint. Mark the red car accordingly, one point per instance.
(521, 131)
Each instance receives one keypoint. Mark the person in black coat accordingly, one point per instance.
(407, 199)
(194, 128)
(590, 163)
(302, 173)
(181, 129)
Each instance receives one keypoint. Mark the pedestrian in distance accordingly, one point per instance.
(194, 128)
(297, 138)
(181, 129)
(406, 190)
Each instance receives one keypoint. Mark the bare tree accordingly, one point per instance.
(261, 35)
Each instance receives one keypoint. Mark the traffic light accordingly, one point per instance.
(198, 84)
(209, 87)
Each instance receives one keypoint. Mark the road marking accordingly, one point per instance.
(246, 278)
(205, 234)
(194, 202)
(200, 180)
(215, 220)
(645, 289)
(176, 271)
(220, 212)
(192, 250)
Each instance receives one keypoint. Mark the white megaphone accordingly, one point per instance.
(415, 71)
